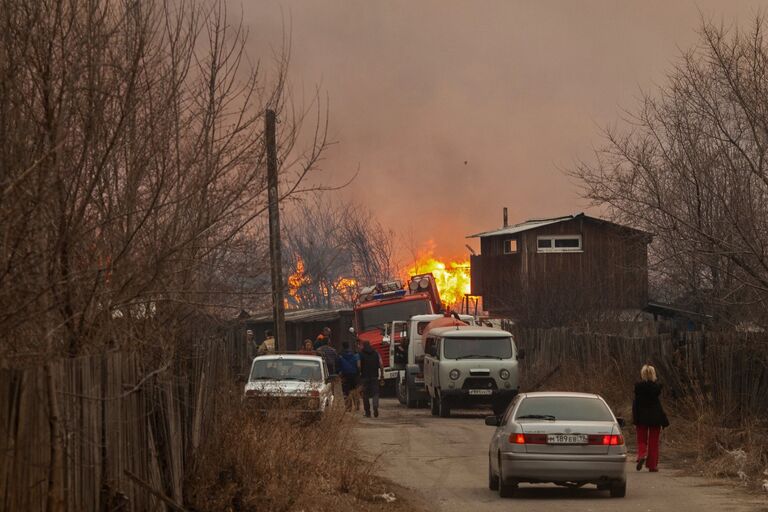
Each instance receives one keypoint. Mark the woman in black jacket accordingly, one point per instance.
(649, 418)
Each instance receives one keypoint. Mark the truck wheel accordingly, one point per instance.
(409, 402)
(401, 392)
(445, 409)
(434, 405)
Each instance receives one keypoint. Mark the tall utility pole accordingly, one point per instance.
(278, 307)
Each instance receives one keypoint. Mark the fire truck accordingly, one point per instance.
(380, 305)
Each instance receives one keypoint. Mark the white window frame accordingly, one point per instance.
(504, 248)
(580, 248)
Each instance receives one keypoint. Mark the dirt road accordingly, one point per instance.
(446, 461)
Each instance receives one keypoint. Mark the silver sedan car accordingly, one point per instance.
(569, 439)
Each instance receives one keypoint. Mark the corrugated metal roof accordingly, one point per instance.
(301, 315)
(525, 226)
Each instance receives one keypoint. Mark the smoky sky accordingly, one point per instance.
(452, 110)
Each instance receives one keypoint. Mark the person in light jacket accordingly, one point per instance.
(649, 418)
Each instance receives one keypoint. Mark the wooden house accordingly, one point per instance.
(555, 269)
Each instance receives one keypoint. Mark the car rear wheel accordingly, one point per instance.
(493, 480)
(434, 405)
(619, 489)
(506, 488)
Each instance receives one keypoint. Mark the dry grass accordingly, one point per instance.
(697, 439)
(280, 462)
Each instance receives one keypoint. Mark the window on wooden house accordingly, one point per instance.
(510, 246)
(559, 243)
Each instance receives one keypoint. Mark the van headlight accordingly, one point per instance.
(455, 374)
(504, 374)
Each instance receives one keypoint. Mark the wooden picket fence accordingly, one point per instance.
(727, 371)
(129, 431)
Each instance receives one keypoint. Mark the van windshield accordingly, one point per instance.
(477, 348)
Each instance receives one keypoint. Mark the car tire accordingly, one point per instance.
(506, 489)
(445, 409)
(618, 489)
(493, 480)
(434, 406)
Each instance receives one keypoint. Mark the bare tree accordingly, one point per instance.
(690, 167)
(333, 247)
(132, 161)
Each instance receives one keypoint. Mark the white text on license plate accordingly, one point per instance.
(566, 439)
(480, 391)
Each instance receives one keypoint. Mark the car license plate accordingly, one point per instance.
(480, 391)
(566, 439)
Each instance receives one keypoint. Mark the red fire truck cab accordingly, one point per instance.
(380, 305)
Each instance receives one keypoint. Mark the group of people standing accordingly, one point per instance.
(359, 372)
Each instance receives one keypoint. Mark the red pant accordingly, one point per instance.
(648, 444)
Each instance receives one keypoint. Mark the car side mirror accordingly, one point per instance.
(621, 422)
(492, 421)
(521, 354)
(328, 380)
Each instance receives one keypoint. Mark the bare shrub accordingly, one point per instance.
(279, 462)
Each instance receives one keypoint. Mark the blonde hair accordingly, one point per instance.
(648, 372)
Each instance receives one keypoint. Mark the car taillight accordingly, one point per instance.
(250, 392)
(528, 438)
(607, 440)
(315, 393)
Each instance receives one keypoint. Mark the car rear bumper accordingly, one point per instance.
(536, 467)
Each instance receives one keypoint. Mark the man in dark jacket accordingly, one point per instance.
(350, 377)
(371, 370)
(329, 354)
(649, 418)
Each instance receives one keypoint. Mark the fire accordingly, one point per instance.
(306, 292)
(452, 276)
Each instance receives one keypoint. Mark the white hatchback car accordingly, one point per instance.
(289, 382)
(569, 439)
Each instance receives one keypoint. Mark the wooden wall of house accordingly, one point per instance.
(611, 271)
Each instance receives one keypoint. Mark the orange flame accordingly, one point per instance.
(452, 276)
(299, 282)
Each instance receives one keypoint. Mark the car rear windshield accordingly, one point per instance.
(477, 348)
(286, 369)
(564, 408)
(377, 316)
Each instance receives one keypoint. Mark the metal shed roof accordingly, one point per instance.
(524, 226)
(537, 223)
(302, 315)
